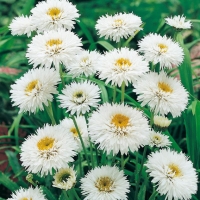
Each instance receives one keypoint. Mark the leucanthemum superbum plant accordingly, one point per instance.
(109, 112)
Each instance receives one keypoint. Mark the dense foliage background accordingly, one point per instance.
(14, 127)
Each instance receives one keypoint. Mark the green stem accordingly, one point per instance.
(140, 172)
(114, 93)
(122, 91)
(122, 162)
(80, 164)
(82, 143)
(50, 112)
(75, 194)
(61, 75)
(91, 153)
(97, 158)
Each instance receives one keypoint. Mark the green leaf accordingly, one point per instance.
(4, 180)
(194, 103)
(142, 192)
(48, 193)
(13, 161)
(106, 45)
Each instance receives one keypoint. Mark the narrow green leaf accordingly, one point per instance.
(142, 192)
(48, 193)
(106, 45)
(13, 161)
(8, 183)
(194, 103)
(197, 119)
(174, 143)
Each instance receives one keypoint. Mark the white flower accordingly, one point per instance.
(50, 148)
(161, 93)
(26, 194)
(159, 140)
(105, 183)
(161, 122)
(118, 128)
(163, 50)
(79, 97)
(34, 89)
(173, 174)
(121, 65)
(53, 47)
(120, 25)
(70, 128)
(65, 178)
(178, 22)
(85, 63)
(21, 25)
(54, 14)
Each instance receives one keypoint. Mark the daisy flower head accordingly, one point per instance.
(54, 14)
(159, 140)
(161, 93)
(118, 128)
(179, 22)
(173, 174)
(122, 65)
(65, 178)
(120, 25)
(53, 47)
(21, 25)
(70, 128)
(30, 193)
(163, 50)
(84, 64)
(50, 148)
(161, 122)
(79, 97)
(105, 183)
(34, 89)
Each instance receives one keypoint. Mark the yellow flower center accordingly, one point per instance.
(53, 42)
(74, 131)
(175, 170)
(45, 143)
(32, 85)
(78, 94)
(156, 138)
(104, 184)
(165, 87)
(120, 121)
(118, 22)
(123, 62)
(25, 198)
(163, 48)
(54, 13)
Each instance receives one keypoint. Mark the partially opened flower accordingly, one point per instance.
(70, 128)
(54, 14)
(85, 63)
(21, 25)
(178, 22)
(50, 148)
(121, 65)
(65, 178)
(161, 93)
(79, 97)
(105, 183)
(161, 122)
(173, 174)
(159, 140)
(53, 48)
(120, 25)
(28, 194)
(118, 128)
(163, 50)
(35, 89)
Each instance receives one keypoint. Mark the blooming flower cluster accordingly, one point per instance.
(102, 129)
